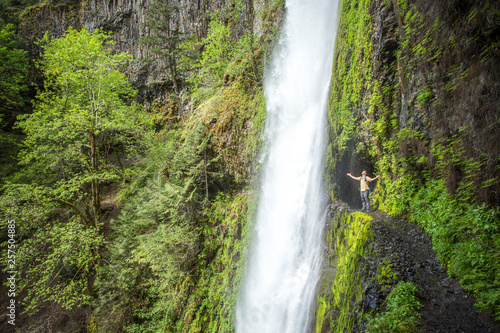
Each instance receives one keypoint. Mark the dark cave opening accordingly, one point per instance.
(347, 189)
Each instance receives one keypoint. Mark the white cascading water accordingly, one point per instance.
(279, 289)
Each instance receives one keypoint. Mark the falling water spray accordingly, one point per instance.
(279, 288)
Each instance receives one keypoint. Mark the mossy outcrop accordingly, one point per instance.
(381, 274)
(348, 238)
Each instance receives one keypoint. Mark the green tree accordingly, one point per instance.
(13, 72)
(165, 38)
(81, 121)
(80, 115)
(219, 49)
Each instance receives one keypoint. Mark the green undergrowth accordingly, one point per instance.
(402, 313)
(465, 236)
(349, 238)
(211, 304)
(178, 241)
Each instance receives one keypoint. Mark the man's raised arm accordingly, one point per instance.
(349, 174)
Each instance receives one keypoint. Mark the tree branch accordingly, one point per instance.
(85, 219)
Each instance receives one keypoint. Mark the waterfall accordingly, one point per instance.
(279, 288)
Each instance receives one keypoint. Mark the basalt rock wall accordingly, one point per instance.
(125, 19)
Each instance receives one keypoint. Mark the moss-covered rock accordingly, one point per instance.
(341, 289)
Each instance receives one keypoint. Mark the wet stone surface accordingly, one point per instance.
(446, 307)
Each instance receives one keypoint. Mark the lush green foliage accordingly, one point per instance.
(218, 52)
(211, 307)
(80, 116)
(155, 240)
(465, 236)
(165, 253)
(177, 246)
(402, 311)
(80, 119)
(226, 54)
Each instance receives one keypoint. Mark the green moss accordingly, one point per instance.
(234, 119)
(361, 217)
(351, 70)
(320, 317)
(210, 308)
(30, 11)
(349, 238)
(385, 275)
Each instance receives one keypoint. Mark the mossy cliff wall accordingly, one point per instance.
(345, 271)
(202, 295)
(415, 97)
(415, 92)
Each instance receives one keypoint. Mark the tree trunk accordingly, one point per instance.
(119, 161)
(176, 87)
(206, 177)
(96, 202)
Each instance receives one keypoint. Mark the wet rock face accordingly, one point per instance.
(125, 19)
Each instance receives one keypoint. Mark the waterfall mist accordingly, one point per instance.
(283, 269)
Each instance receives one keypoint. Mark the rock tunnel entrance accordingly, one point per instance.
(346, 187)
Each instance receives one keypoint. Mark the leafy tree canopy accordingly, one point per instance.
(83, 121)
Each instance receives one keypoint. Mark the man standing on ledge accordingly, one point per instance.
(364, 188)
